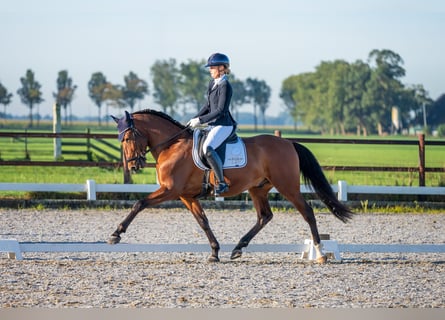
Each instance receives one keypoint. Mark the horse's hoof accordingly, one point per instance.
(213, 259)
(322, 259)
(114, 239)
(236, 254)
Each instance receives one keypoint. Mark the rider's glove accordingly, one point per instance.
(194, 122)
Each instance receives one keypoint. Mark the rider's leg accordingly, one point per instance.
(217, 166)
(215, 137)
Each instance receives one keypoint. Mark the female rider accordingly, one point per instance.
(216, 114)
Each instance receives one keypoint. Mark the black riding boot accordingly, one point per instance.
(216, 164)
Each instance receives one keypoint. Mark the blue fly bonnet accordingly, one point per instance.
(124, 124)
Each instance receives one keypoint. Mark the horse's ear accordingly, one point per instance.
(115, 119)
(129, 119)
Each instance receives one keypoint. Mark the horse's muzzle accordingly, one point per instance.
(136, 163)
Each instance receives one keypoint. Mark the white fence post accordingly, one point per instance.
(91, 190)
(57, 128)
(342, 190)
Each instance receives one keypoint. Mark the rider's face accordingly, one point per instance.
(216, 71)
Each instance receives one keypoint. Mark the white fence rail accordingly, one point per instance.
(91, 188)
(14, 249)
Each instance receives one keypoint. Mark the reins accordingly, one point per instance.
(141, 156)
(168, 140)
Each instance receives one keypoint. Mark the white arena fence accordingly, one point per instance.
(14, 249)
(91, 188)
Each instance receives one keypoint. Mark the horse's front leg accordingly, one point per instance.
(195, 207)
(160, 195)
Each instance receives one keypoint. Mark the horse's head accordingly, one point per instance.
(134, 144)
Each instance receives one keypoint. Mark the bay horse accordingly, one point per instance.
(272, 162)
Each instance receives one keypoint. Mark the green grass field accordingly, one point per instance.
(328, 155)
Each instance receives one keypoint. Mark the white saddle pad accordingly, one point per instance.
(236, 155)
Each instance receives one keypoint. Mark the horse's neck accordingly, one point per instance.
(160, 132)
(156, 137)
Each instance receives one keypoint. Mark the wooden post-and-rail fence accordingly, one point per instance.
(114, 157)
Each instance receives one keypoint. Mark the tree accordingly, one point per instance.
(357, 78)
(133, 90)
(301, 90)
(30, 93)
(436, 112)
(65, 92)
(342, 97)
(113, 96)
(259, 94)
(96, 88)
(414, 103)
(331, 95)
(384, 87)
(165, 77)
(286, 94)
(5, 98)
(193, 83)
(263, 100)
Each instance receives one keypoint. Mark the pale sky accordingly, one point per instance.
(267, 40)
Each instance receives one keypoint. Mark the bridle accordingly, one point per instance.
(126, 124)
(140, 156)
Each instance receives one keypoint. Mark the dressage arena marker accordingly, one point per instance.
(14, 249)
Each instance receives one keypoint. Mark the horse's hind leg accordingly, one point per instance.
(308, 215)
(264, 215)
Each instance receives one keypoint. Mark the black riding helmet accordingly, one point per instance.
(218, 59)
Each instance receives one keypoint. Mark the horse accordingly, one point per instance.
(272, 162)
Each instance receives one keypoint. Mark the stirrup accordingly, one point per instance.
(221, 188)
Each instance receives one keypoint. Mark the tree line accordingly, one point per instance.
(360, 97)
(177, 88)
(338, 97)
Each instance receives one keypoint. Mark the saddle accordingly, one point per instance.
(232, 153)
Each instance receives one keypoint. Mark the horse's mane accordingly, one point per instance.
(161, 115)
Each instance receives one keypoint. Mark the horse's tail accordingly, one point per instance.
(315, 178)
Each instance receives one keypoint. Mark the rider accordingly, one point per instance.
(216, 114)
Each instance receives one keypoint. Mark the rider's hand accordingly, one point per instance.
(194, 122)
